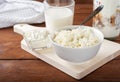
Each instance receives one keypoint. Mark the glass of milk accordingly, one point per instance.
(58, 14)
(107, 21)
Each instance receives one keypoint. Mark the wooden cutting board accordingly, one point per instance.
(108, 51)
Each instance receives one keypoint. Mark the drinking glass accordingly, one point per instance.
(108, 20)
(58, 14)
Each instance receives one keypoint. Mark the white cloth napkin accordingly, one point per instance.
(20, 11)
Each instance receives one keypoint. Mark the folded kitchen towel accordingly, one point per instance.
(20, 11)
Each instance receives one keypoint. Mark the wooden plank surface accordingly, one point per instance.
(39, 71)
(17, 65)
(10, 45)
(80, 70)
(108, 51)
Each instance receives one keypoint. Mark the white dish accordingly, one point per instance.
(77, 55)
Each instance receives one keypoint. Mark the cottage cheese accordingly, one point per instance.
(37, 39)
(76, 38)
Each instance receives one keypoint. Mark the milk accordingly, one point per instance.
(57, 18)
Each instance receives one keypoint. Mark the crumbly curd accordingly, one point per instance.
(76, 38)
(37, 39)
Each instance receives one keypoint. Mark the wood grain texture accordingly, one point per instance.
(81, 70)
(10, 45)
(39, 71)
(16, 65)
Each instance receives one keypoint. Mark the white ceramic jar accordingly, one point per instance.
(107, 21)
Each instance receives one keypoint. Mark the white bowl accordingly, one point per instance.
(78, 55)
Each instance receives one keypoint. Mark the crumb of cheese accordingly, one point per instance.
(76, 38)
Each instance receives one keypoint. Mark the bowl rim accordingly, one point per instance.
(93, 28)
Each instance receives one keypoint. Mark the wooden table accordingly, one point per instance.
(17, 65)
